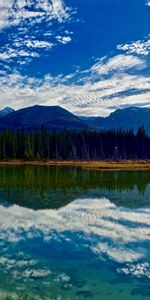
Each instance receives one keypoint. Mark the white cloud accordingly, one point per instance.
(147, 3)
(92, 92)
(139, 47)
(117, 63)
(63, 39)
(28, 16)
(4, 12)
(37, 44)
(15, 12)
(13, 53)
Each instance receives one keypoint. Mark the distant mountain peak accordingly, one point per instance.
(5, 111)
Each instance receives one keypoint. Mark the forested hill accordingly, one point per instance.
(74, 145)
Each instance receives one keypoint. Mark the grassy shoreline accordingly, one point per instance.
(95, 165)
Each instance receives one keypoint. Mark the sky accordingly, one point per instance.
(88, 56)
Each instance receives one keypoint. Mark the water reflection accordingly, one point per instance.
(45, 187)
(72, 234)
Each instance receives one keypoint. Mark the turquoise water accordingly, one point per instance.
(71, 234)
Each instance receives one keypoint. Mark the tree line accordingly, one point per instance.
(74, 145)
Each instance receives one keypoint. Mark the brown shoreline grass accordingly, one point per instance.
(93, 165)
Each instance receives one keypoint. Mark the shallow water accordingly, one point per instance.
(71, 234)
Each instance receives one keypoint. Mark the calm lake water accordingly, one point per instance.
(68, 234)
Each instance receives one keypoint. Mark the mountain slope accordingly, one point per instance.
(51, 117)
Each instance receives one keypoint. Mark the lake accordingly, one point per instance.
(68, 234)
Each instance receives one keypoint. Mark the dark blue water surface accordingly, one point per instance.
(69, 234)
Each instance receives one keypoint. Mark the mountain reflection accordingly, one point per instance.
(55, 187)
(66, 231)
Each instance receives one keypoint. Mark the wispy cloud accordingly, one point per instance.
(140, 47)
(111, 82)
(15, 12)
(13, 53)
(5, 6)
(34, 44)
(147, 3)
(33, 22)
(117, 63)
(63, 39)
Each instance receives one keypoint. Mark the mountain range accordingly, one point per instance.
(57, 118)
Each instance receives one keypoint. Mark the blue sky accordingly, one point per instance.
(89, 56)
